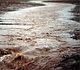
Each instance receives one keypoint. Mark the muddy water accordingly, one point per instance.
(41, 34)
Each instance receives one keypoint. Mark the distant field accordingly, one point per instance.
(18, 1)
(38, 0)
(69, 1)
(12, 0)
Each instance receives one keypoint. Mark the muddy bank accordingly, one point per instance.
(69, 62)
(76, 12)
(63, 1)
(6, 6)
(76, 31)
(76, 34)
(72, 62)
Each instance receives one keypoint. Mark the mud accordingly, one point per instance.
(69, 62)
(76, 34)
(76, 12)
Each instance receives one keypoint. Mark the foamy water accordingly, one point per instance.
(49, 29)
(19, 16)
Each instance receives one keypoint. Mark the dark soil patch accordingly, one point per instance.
(76, 34)
(69, 62)
(64, 1)
(76, 12)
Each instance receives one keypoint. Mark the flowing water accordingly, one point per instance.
(39, 30)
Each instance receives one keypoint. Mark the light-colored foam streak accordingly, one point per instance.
(66, 15)
(44, 35)
(15, 26)
(18, 17)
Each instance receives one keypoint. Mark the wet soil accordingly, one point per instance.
(76, 12)
(6, 6)
(64, 1)
(69, 62)
(76, 34)
(76, 31)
